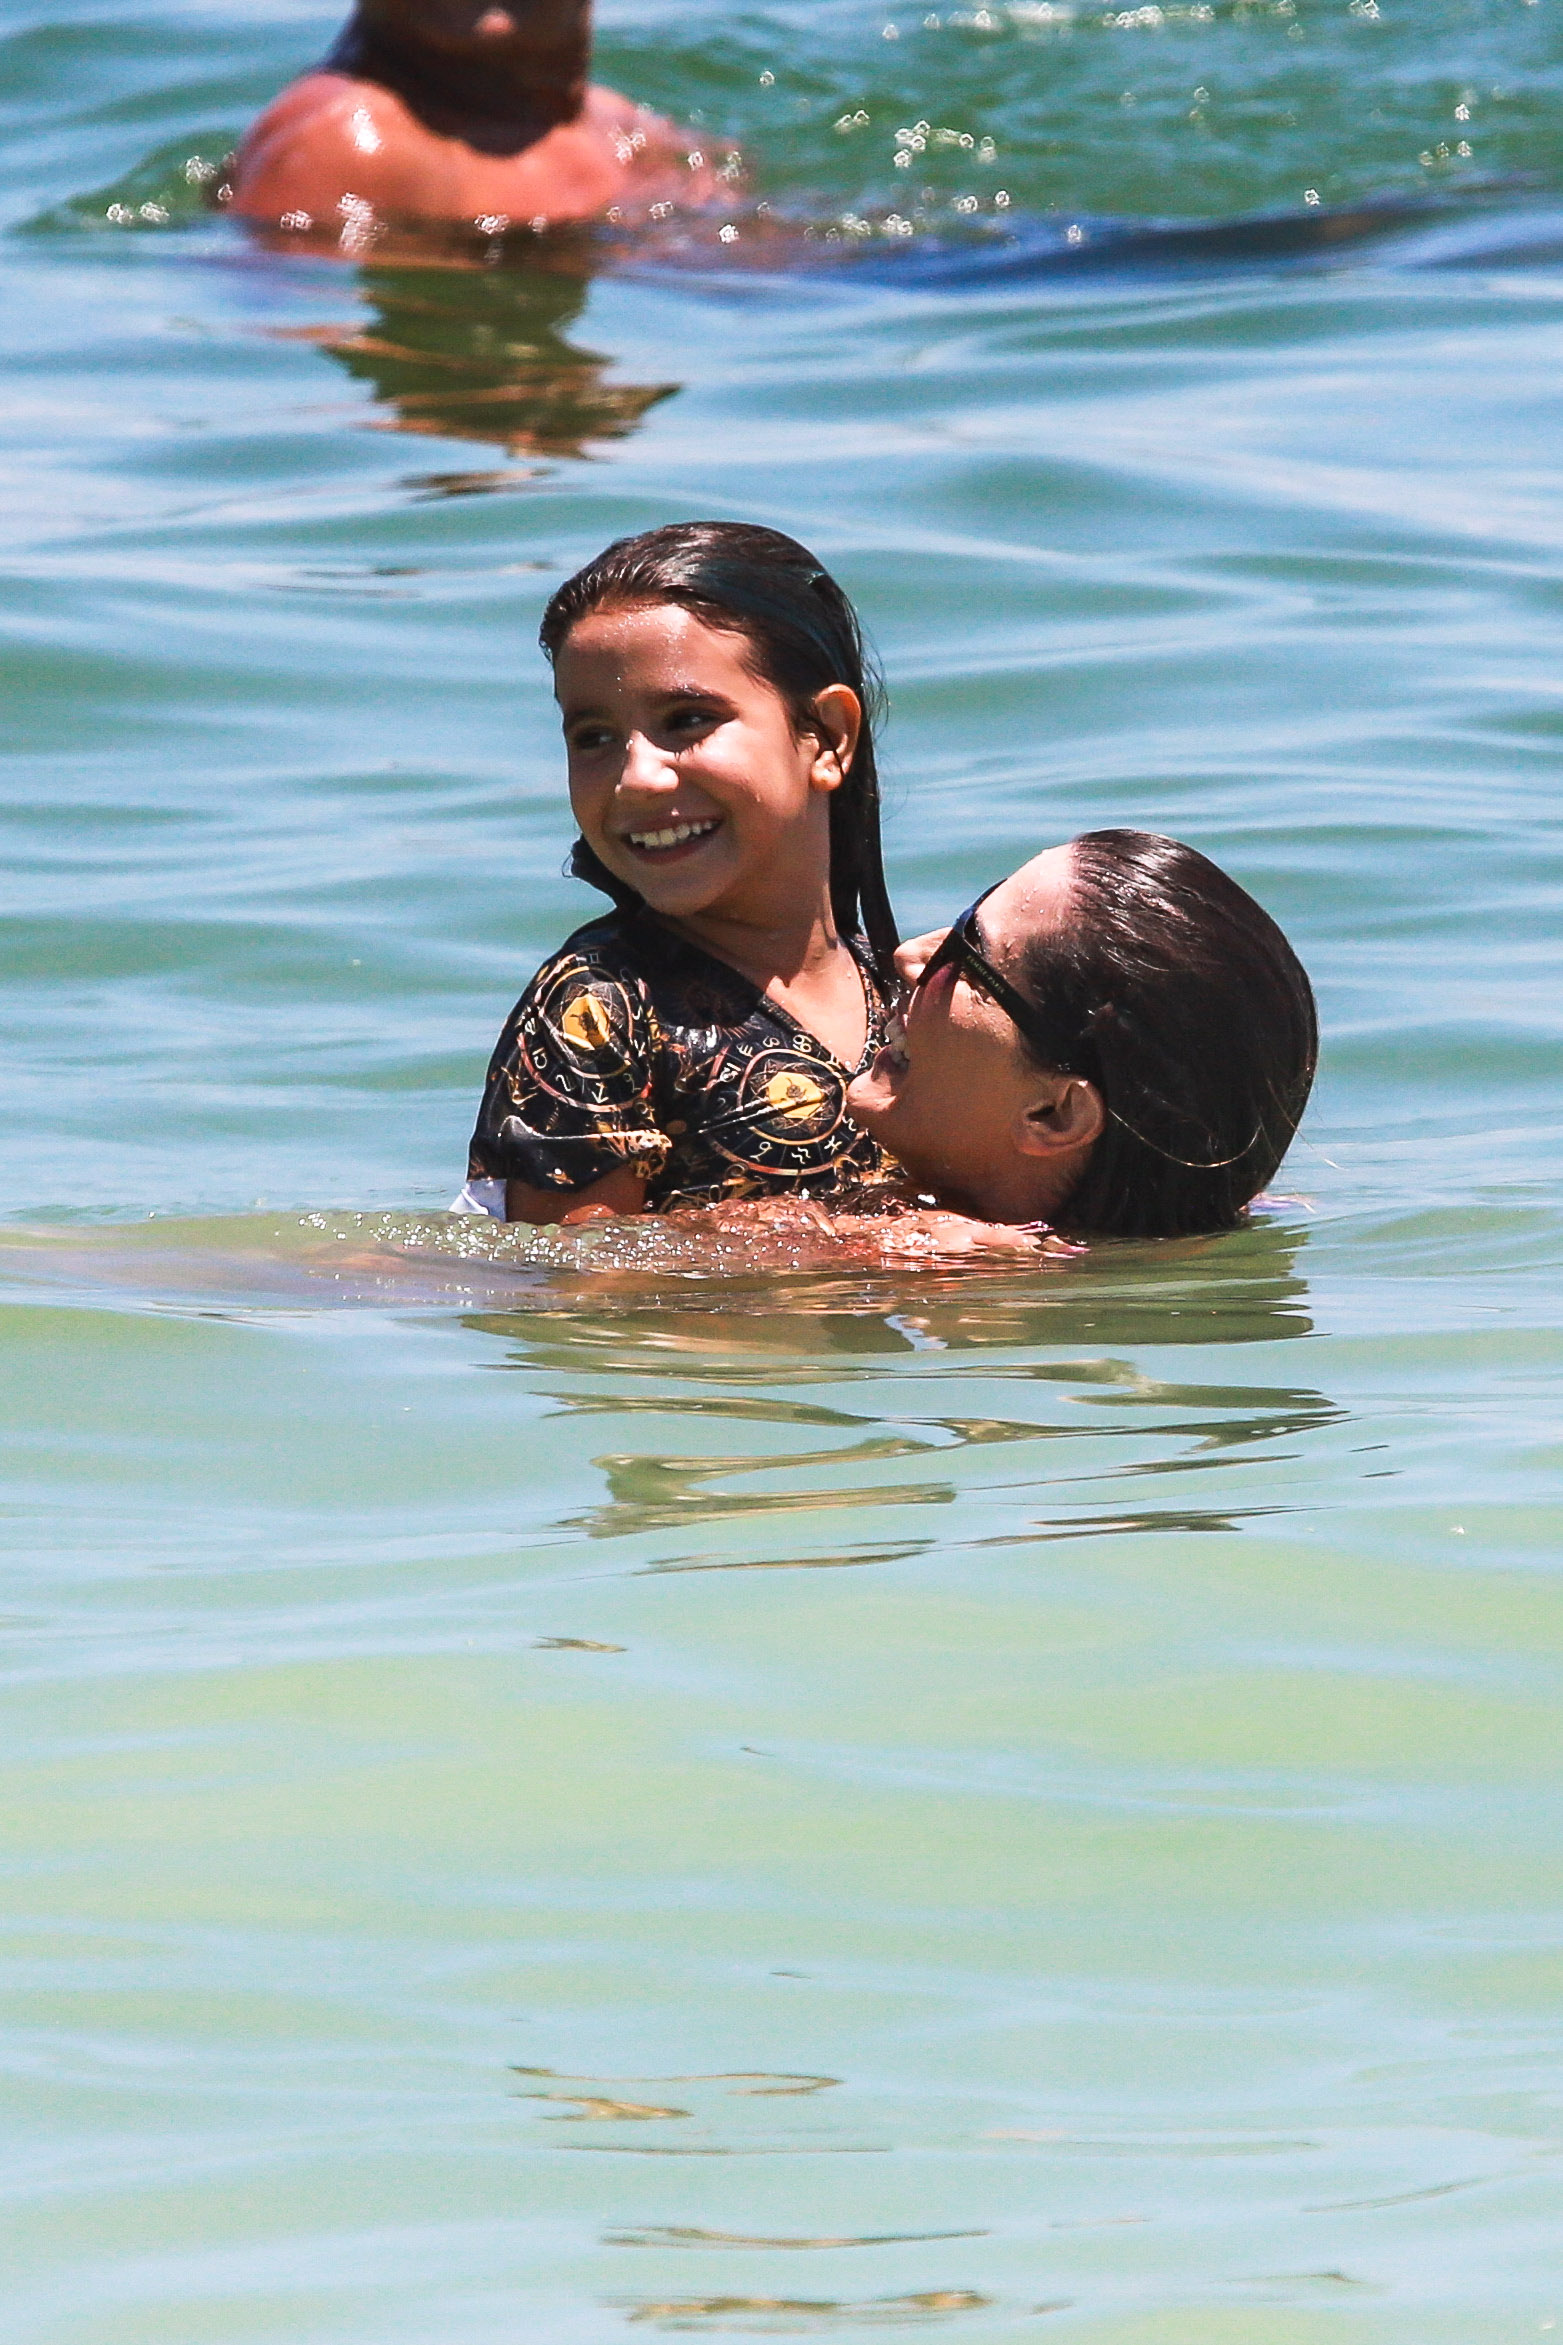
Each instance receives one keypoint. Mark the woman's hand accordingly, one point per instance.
(929, 1235)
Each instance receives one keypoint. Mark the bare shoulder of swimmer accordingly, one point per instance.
(430, 109)
(328, 136)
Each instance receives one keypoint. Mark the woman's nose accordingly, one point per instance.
(913, 957)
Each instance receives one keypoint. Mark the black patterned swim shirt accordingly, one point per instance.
(633, 1047)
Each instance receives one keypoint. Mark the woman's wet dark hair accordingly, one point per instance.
(1178, 996)
(803, 635)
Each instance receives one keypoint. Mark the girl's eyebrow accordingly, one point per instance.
(668, 692)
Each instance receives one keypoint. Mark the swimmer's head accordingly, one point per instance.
(535, 53)
(768, 610)
(1116, 1040)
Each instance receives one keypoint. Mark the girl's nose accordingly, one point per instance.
(646, 766)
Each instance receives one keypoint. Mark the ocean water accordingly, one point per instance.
(560, 1795)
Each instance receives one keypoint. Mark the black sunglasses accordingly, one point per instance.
(962, 949)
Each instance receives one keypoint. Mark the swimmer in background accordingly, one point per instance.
(696, 1042)
(463, 112)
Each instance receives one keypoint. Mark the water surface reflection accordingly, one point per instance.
(640, 1293)
(1242, 1288)
(453, 352)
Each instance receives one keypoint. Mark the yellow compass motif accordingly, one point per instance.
(586, 1023)
(793, 1096)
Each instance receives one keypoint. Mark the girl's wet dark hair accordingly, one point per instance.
(1178, 996)
(802, 633)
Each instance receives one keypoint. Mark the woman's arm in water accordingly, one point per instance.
(802, 1233)
(774, 1229)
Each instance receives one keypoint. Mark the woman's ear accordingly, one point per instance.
(1066, 1114)
(837, 722)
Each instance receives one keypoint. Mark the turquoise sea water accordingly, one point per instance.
(562, 1802)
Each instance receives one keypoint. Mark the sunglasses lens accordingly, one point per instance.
(959, 947)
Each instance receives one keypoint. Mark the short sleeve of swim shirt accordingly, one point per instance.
(569, 1091)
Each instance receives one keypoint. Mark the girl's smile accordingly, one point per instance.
(673, 835)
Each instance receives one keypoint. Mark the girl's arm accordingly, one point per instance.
(567, 1128)
(621, 1191)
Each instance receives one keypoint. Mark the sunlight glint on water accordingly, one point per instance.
(550, 1800)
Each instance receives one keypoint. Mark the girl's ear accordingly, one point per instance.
(836, 720)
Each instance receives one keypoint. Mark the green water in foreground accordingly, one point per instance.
(558, 1802)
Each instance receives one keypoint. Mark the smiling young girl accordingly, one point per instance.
(697, 1041)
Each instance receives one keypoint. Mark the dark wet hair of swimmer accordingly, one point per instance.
(503, 59)
(802, 634)
(1116, 1040)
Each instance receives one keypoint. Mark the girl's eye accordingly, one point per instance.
(587, 738)
(691, 720)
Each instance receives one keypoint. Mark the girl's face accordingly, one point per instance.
(687, 775)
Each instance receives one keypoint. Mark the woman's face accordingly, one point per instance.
(687, 775)
(949, 1090)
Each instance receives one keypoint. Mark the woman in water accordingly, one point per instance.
(697, 1041)
(1114, 1041)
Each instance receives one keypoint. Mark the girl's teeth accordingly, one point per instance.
(674, 836)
